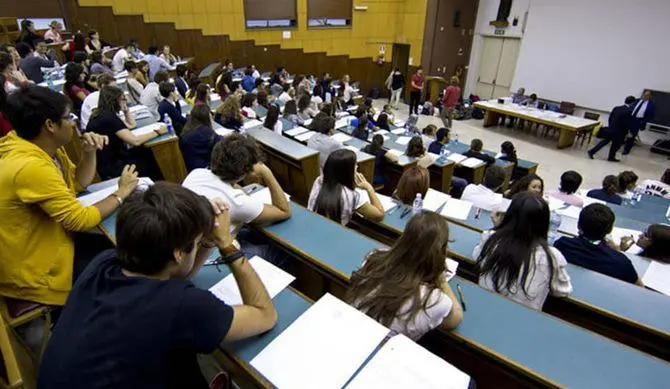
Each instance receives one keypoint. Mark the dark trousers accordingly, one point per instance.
(414, 101)
(638, 125)
(617, 142)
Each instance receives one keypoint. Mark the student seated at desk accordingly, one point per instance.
(383, 122)
(202, 95)
(475, 151)
(484, 195)
(224, 84)
(334, 193)
(413, 181)
(74, 86)
(44, 247)
(441, 139)
(405, 288)
(592, 250)
(321, 141)
(163, 238)
(116, 155)
(248, 81)
(627, 183)
(570, 182)
(143, 76)
(135, 87)
(316, 100)
(655, 243)
(32, 64)
(229, 114)
(167, 56)
(347, 91)
(528, 183)
(508, 153)
(285, 95)
(305, 111)
(123, 55)
(375, 147)
(291, 112)
(608, 192)
(170, 106)
(263, 98)
(361, 132)
(658, 188)
(248, 103)
(91, 101)
(272, 121)
(233, 159)
(180, 82)
(416, 149)
(97, 65)
(193, 84)
(197, 139)
(429, 135)
(151, 96)
(514, 258)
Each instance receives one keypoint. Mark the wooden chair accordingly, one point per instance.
(584, 134)
(16, 312)
(12, 377)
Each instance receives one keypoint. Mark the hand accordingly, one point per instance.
(162, 130)
(221, 232)
(360, 181)
(128, 181)
(91, 142)
(626, 242)
(260, 169)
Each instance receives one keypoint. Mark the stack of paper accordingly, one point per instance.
(398, 131)
(395, 152)
(274, 279)
(452, 268)
(265, 197)
(434, 200)
(251, 124)
(352, 108)
(322, 349)
(472, 162)
(403, 140)
(458, 158)
(103, 193)
(399, 123)
(305, 136)
(342, 123)
(342, 114)
(147, 129)
(296, 131)
(307, 122)
(214, 97)
(223, 131)
(618, 234)
(657, 277)
(554, 203)
(456, 209)
(341, 137)
(570, 211)
(387, 202)
(402, 364)
(381, 132)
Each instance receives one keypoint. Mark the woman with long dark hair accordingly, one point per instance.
(305, 111)
(515, 259)
(291, 112)
(272, 121)
(334, 193)
(627, 183)
(416, 149)
(197, 139)
(376, 148)
(74, 86)
(528, 183)
(655, 243)
(405, 288)
(28, 34)
(77, 44)
(383, 121)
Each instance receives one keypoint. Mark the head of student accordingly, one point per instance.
(249, 100)
(153, 50)
(507, 256)
(290, 108)
(96, 57)
(24, 49)
(181, 70)
(27, 25)
(570, 182)
(413, 180)
(646, 95)
(234, 157)
(476, 145)
(81, 58)
(595, 221)
(158, 231)
(610, 184)
(338, 173)
(230, 108)
(415, 147)
(111, 100)
(202, 93)
(442, 135)
(93, 35)
(655, 243)
(130, 47)
(665, 178)
(324, 125)
(55, 25)
(528, 183)
(262, 98)
(104, 80)
(508, 149)
(627, 181)
(167, 90)
(161, 76)
(362, 123)
(200, 116)
(304, 102)
(419, 70)
(166, 50)
(383, 120)
(454, 81)
(130, 67)
(390, 278)
(375, 145)
(6, 63)
(494, 177)
(74, 75)
(271, 117)
(429, 130)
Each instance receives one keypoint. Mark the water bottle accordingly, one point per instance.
(168, 123)
(554, 225)
(50, 81)
(455, 138)
(637, 196)
(417, 205)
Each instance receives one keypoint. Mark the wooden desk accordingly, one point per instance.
(168, 156)
(568, 125)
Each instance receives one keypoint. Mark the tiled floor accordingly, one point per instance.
(553, 162)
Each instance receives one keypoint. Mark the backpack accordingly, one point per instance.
(427, 109)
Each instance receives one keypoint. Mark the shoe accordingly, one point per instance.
(625, 153)
(613, 160)
(590, 154)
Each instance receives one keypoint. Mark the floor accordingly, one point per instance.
(553, 162)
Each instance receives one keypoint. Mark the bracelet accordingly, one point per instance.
(118, 198)
(229, 259)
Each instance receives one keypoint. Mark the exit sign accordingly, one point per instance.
(499, 31)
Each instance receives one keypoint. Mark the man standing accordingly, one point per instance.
(415, 91)
(619, 125)
(643, 111)
(451, 96)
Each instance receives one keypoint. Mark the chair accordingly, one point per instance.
(584, 134)
(12, 377)
(17, 312)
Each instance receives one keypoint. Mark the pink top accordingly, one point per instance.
(53, 36)
(451, 96)
(571, 199)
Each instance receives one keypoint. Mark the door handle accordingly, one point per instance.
(494, 81)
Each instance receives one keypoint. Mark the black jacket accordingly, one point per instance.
(620, 121)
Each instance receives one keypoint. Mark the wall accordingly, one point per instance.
(32, 8)
(385, 22)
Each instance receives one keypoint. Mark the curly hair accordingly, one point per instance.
(234, 157)
(230, 109)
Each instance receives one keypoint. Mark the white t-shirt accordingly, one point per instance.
(119, 60)
(439, 306)
(90, 103)
(150, 98)
(285, 97)
(656, 188)
(315, 102)
(482, 197)
(279, 127)
(243, 208)
(351, 200)
(348, 93)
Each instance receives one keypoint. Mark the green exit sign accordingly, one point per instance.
(499, 31)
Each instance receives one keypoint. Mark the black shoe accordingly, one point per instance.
(613, 160)
(590, 154)
(625, 153)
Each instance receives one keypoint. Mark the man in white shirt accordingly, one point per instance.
(91, 101)
(643, 112)
(348, 93)
(122, 55)
(233, 159)
(151, 96)
(658, 188)
(484, 195)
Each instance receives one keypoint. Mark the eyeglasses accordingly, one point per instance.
(70, 117)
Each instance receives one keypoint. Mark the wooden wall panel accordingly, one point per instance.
(31, 9)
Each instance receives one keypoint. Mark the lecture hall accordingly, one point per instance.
(360, 194)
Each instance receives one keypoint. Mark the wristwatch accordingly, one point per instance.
(230, 254)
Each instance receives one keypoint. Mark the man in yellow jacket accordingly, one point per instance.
(38, 208)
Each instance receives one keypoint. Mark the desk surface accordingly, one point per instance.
(646, 212)
(207, 71)
(281, 143)
(568, 121)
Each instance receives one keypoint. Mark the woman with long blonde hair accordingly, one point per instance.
(229, 113)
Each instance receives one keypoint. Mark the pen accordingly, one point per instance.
(478, 213)
(393, 210)
(405, 213)
(460, 296)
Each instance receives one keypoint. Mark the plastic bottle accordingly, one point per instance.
(168, 123)
(417, 205)
(554, 225)
(637, 196)
(49, 79)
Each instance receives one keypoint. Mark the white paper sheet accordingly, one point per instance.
(591, 200)
(214, 97)
(570, 211)
(147, 129)
(352, 148)
(399, 123)
(138, 108)
(305, 136)
(352, 108)
(398, 131)
(387, 202)
(381, 132)
(322, 349)
(458, 158)
(395, 152)
(274, 279)
(342, 114)
(92, 198)
(296, 131)
(434, 199)
(252, 123)
(456, 209)
(403, 140)
(402, 364)
(223, 131)
(341, 137)
(657, 277)
(472, 162)
(554, 203)
(452, 268)
(307, 122)
(341, 123)
(265, 197)
(619, 233)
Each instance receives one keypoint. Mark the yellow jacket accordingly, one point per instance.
(37, 209)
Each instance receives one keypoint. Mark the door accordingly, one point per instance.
(506, 67)
(488, 67)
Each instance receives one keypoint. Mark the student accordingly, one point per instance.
(658, 188)
(32, 65)
(608, 192)
(193, 84)
(381, 157)
(53, 34)
(529, 183)
(415, 91)
(591, 250)
(415, 149)
(43, 51)
(156, 64)
(77, 44)
(272, 121)
(291, 112)
(237, 90)
(361, 131)
(248, 103)
(135, 87)
(163, 237)
(570, 182)
(91, 102)
(383, 122)
(117, 154)
(259, 86)
(180, 81)
(475, 151)
(405, 288)
(170, 106)
(197, 139)
(233, 159)
(97, 66)
(284, 96)
(397, 85)
(316, 100)
(143, 76)
(42, 221)
(347, 91)
(28, 34)
(413, 180)
(262, 97)
(321, 141)
(428, 135)
(449, 101)
(248, 81)
(508, 153)
(655, 243)
(532, 101)
(202, 95)
(441, 139)
(484, 195)
(151, 96)
(229, 114)
(95, 43)
(123, 55)
(515, 260)
(627, 183)
(74, 87)
(305, 111)
(167, 56)
(334, 193)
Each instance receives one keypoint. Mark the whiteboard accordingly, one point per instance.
(595, 53)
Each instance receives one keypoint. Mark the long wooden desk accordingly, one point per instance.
(568, 126)
(167, 154)
(476, 175)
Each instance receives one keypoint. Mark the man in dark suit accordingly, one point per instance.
(619, 124)
(643, 111)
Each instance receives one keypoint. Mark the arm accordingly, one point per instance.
(374, 210)
(91, 143)
(128, 117)
(560, 283)
(138, 140)
(127, 184)
(455, 315)
(280, 208)
(391, 157)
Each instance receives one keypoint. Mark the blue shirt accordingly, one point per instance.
(248, 83)
(435, 147)
(601, 194)
(196, 147)
(597, 257)
(156, 64)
